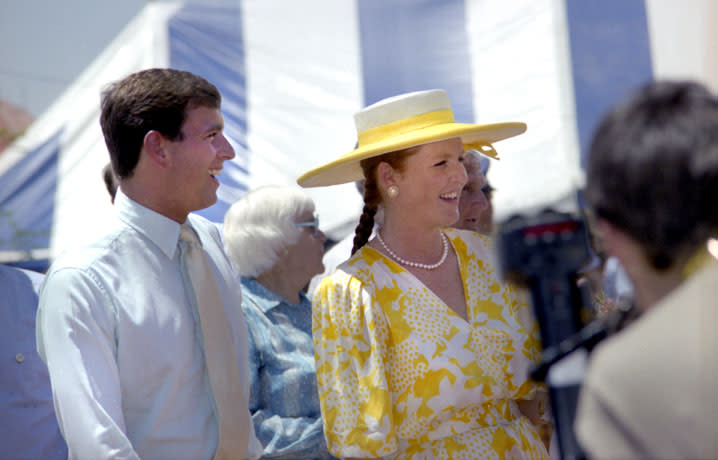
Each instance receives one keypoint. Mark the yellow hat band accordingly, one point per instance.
(407, 125)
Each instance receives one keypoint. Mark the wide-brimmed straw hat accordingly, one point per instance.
(405, 121)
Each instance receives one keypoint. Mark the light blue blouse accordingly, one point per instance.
(283, 394)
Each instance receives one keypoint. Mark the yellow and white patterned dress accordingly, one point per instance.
(402, 376)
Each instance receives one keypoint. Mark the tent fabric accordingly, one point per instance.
(293, 73)
(619, 71)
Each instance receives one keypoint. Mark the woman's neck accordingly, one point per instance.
(281, 283)
(420, 244)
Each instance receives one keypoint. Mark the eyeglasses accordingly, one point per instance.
(312, 223)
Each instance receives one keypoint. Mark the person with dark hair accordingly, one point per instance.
(142, 330)
(652, 183)
(420, 348)
(110, 179)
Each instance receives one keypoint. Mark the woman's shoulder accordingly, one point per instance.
(360, 263)
(257, 300)
(471, 242)
(356, 274)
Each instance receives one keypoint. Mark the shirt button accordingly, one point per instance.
(19, 358)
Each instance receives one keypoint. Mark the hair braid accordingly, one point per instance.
(364, 228)
(372, 198)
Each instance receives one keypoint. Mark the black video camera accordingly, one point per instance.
(545, 253)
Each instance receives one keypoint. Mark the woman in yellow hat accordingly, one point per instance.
(420, 348)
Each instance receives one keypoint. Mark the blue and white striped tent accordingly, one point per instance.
(293, 73)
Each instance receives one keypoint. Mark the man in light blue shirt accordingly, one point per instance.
(119, 333)
(29, 426)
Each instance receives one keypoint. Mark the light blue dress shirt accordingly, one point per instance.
(122, 342)
(29, 427)
(283, 399)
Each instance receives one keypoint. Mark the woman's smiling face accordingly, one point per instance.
(431, 181)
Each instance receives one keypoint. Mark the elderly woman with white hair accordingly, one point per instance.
(272, 236)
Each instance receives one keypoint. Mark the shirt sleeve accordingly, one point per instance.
(75, 330)
(610, 417)
(350, 345)
(598, 429)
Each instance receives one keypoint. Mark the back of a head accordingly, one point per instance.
(152, 99)
(260, 226)
(652, 169)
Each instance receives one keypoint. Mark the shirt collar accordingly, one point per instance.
(161, 230)
(701, 257)
(264, 298)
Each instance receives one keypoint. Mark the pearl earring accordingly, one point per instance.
(392, 191)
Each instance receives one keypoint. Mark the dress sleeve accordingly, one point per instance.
(75, 331)
(527, 320)
(527, 340)
(350, 346)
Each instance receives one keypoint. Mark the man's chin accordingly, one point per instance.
(470, 225)
(210, 201)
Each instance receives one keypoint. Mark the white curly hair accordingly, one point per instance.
(260, 227)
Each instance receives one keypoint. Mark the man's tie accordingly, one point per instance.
(218, 350)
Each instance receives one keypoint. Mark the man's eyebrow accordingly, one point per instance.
(212, 128)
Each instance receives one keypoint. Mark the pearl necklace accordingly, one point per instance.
(444, 243)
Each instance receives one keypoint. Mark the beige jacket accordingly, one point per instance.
(651, 391)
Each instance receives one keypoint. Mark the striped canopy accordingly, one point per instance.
(293, 73)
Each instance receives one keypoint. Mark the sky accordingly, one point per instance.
(46, 44)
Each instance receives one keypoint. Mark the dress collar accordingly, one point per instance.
(266, 299)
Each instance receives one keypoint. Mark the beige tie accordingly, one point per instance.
(218, 350)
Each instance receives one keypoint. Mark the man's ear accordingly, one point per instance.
(607, 235)
(618, 243)
(154, 145)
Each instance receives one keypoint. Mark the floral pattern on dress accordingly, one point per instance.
(401, 375)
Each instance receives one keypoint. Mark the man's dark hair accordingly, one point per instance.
(108, 175)
(653, 169)
(153, 99)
